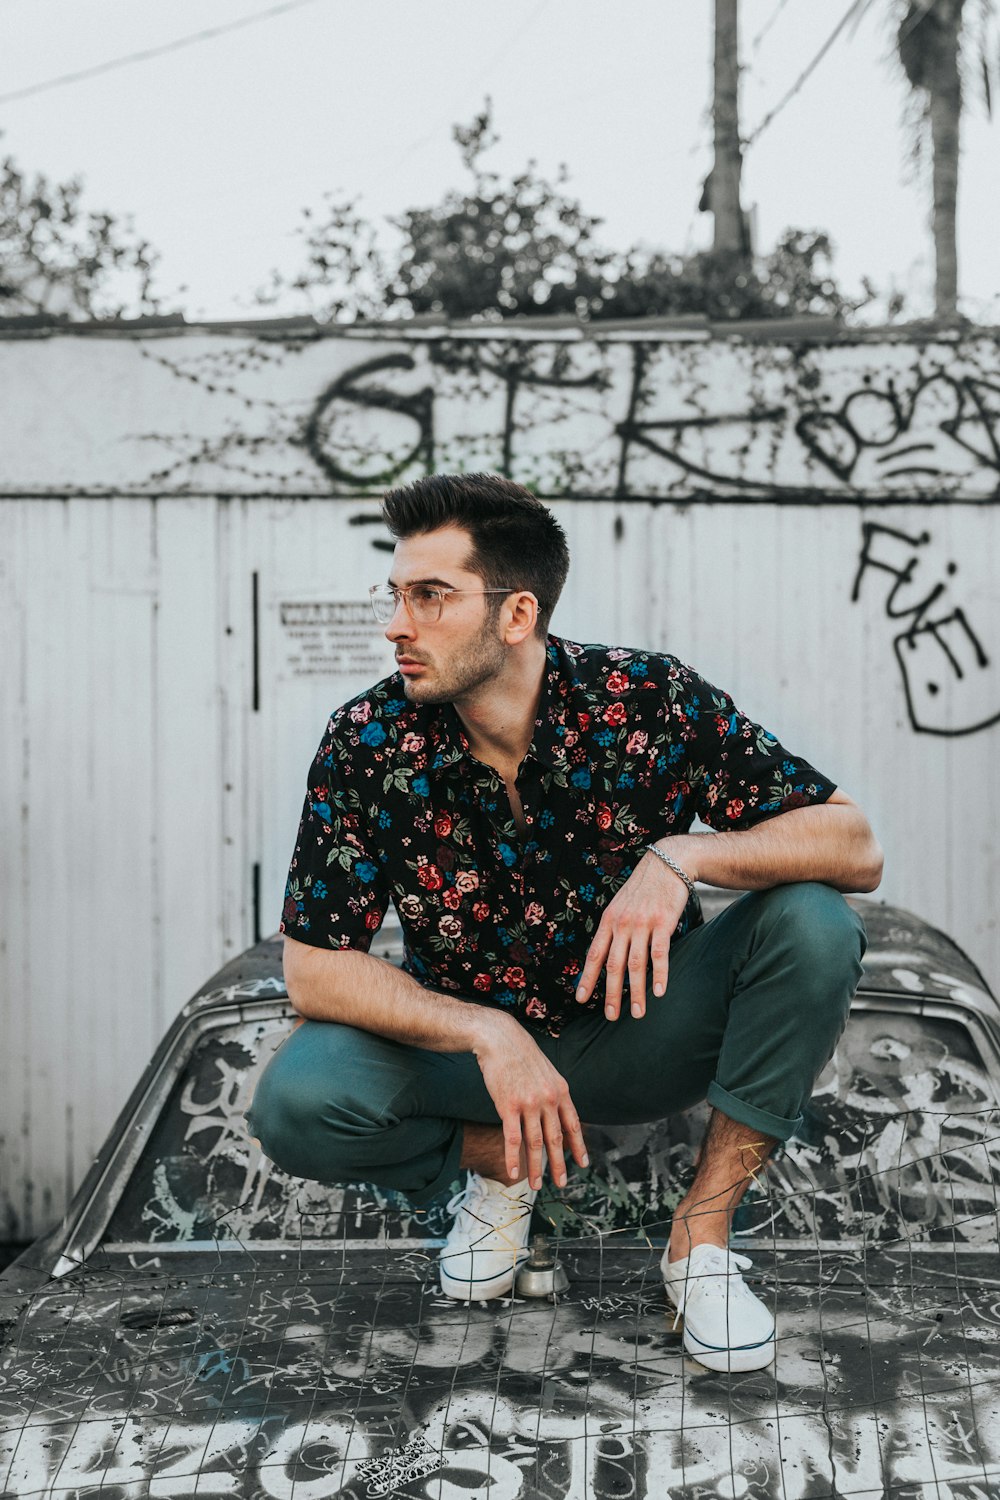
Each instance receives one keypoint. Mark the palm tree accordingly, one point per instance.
(930, 43)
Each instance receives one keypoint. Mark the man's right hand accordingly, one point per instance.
(532, 1099)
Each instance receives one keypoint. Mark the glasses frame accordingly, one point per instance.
(382, 590)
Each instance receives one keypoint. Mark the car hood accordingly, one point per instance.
(906, 956)
(345, 1367)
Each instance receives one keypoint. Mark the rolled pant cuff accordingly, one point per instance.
(450, 1169)
(750, 1114)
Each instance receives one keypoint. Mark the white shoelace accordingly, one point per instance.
(471, 1224)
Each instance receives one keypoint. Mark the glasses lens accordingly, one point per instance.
(383, 604)
(425, 604)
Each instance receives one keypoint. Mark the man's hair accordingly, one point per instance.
(517, 543)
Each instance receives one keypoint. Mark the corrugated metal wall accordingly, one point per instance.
(187, 530)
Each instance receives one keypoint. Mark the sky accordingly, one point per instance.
(214, 149)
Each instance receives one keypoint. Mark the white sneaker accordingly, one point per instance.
(489, 1238)
(725, 1326)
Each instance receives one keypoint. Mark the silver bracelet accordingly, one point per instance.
(652, 849)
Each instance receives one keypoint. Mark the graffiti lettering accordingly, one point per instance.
(247, 989)
(478, 1441)
(668, 437)
(617, 416)
(203, 1171)
(353, 388)
(941, 658)
(878, 440)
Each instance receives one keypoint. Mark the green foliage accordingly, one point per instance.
(59, 260)
(499, 250)
(524, 247)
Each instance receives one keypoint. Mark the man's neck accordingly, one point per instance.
(499, 719)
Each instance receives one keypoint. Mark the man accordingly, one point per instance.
(525, 803)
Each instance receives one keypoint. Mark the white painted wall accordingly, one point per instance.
(146, 479)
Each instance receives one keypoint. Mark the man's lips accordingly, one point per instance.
(409, 664)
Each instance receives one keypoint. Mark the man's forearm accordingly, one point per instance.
(360, 990)
(833, 844)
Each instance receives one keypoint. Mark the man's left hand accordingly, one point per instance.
(636, 926)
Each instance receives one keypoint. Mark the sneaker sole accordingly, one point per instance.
(477, 1291)
(732, 1361)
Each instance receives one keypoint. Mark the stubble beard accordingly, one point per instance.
(480, 663)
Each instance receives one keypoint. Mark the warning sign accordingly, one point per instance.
(332, 638)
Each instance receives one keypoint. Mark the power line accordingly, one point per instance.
(854, 12)
(147, 53)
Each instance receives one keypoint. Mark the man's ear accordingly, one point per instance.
(522, 616)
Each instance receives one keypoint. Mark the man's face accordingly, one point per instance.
(445, 661)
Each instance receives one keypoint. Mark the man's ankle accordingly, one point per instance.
(484, 1152)
(701, 1229)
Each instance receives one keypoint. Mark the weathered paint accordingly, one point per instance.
(636, 412)
(307, 1377)
(188, 530)
(239, 1333)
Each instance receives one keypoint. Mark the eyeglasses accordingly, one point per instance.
(423, 601)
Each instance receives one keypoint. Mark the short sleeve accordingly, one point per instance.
(336, 895)
(748, 775)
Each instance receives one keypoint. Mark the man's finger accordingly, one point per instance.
(594, 962)
(615, 975)
(638, 955)
(659, 952)
(534, 1147)
(512, 1147)
(573, 1132)
(554, 1146)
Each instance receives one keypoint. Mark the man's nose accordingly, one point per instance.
(400, 627)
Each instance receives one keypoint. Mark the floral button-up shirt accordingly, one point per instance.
(628, 746)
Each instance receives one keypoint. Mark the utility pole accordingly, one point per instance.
(723, 186)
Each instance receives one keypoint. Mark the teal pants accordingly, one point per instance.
(756, 1001)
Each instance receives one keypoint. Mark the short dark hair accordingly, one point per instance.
(517, 542)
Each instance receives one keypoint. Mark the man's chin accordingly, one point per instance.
(416, 690)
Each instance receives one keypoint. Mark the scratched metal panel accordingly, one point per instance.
(113, 831)
(83, 951)
(316, 1356)
(196, 834)
(15, 1100)
(309, 1376)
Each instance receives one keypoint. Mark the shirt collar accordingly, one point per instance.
(555, 718)
(447, 738)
